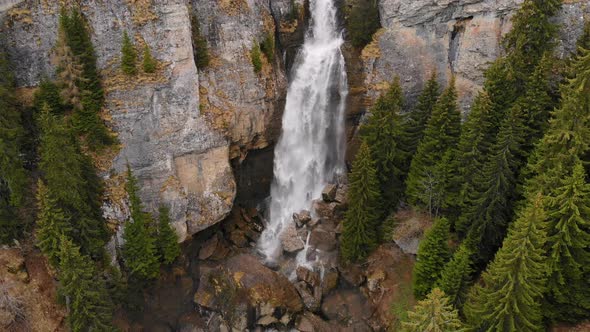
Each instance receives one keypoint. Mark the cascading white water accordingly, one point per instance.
(310, 151)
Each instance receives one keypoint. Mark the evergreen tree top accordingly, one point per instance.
(433, 314)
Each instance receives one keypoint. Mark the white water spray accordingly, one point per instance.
(310, 151)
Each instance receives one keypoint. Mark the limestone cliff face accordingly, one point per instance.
(457, 37)
(178, 128)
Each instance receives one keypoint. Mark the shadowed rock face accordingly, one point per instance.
(457, 37)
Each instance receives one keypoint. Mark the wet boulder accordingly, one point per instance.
(302, 218)
(329, 193)
(290, 239)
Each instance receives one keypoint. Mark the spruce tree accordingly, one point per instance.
(200, 48)
(383, 134)
(568, 210)
(139, 251)
(88, 304)
(455, 277)
(433, 253)
(48, 93)
(425, 187)
(255, 57)
(87, 122)
(128, 55)
(433, 314)
(485, 221)
(362, 22)
(167, 238)
(509, 297)
(359, 236)
(73, 182)
(417, 119)
(69, 72)
(13, 176)
(477, 137)
(79, 40)
(52, 224)
(149, 63)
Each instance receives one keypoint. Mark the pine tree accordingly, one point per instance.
(48, 93)
(383, 133)
(87, 122)
(167, 238)
(149, 63)
(200, 48)
(417, 119)
(568, 209)
(13, 176)
(456, 276)
(267, 46)
(79, 41)
(360, 224)
(487, 219)
(89, 308)
(52, 224)
(139, 251)
(69, 71)
(255, 57)
(477, 137)
(424, 186)
(433, 314)
(509, 297)
(362, 22)
(128, 55)
(73, 182)
(433, 253)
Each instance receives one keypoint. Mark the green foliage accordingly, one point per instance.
(167, 238)
(383, 133)
(140, 251)
(433, 314)
(255, 57)
(455, 277)
(359, 236)
(487, 219)
(200, 48)
(477, 136)
(568, 210)
(294, 11)
(428, 177)
(87, 122)
(267, 46)
(149, 63)
(52, 225)
(128, 56)
(79, 40)
(433, 253)
(89, 307)
(362, 22)
(417, 119)
(509, 297)
(13, 176)
(48, 93)
(72, 181)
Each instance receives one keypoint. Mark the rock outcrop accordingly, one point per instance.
(457, 37)
(179, 127)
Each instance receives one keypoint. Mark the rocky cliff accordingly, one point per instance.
(452, 37)
(178, 128)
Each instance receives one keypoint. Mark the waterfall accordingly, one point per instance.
(310, 151)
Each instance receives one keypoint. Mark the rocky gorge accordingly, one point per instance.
(201, 142)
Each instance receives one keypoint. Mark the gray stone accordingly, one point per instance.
(322, 239)
(310, 277)
(209, 247)
(302, 218)
(329, 193)
(266, 320)
(290, 239)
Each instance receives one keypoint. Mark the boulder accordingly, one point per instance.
(267, 320)
(342, 194)
(329, 193)
(346, 306)
(322, 239)
(325, 210)
(209, 247)
(309, 277)
(374, 280)
(243, 280)
(308, 322)
(302, 218)
(352, 274)
(290, 239)
(330, 281)
(311, 299)
(238, 237)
